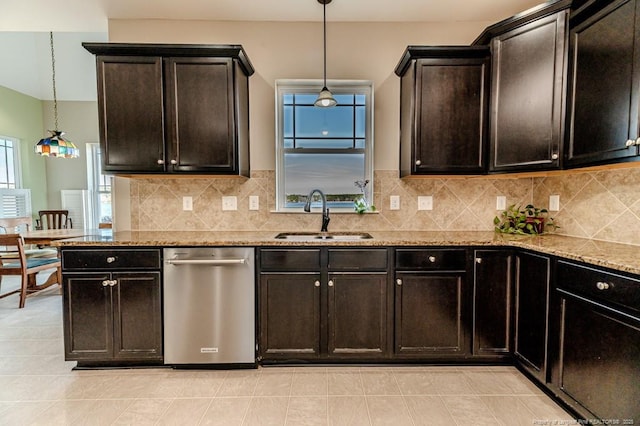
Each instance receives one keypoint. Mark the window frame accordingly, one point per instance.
(94, 175)
(288, 86)
(17, 166)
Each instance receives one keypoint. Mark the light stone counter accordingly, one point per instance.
(621, 257)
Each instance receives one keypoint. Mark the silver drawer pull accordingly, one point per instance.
(478, 260)
(432, 259)
(418, 162)
(113, 282)
(111, 259)
(630, 143)
(602, 285)
(399, 281)
(330, 283)
(106, 283)
(317, 284)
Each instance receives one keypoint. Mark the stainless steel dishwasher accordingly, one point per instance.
(209, 306)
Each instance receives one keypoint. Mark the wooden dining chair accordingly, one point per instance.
(14, 261)
(54, 219)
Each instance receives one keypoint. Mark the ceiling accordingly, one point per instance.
(24, 27)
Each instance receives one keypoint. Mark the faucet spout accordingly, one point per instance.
(325, 210)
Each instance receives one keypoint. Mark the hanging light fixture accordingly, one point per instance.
(55, 145)
(325, 98)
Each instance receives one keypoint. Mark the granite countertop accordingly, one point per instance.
(621, 257)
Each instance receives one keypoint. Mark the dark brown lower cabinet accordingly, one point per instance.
(326, 303)
(113, 317)
(600, 361)
(492, 303)
(357, 315)
(290, 316)
(429, 315)
(531, 312)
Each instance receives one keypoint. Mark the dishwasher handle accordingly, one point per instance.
(210, 262)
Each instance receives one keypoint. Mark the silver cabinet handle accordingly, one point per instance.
(113, 282)
(630, 143)
(105, 283)
(174, 162)
(554, 156)
(602, 285)
(330, 283)
(399, 281)
(111, 259)
(161, 161)
(211, 262)
(432, 259)
(638, 141)
(418, 162)
(317, 284)
(478, 260)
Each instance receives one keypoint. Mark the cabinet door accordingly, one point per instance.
(603, 100)
(88, 320)
(531, 311)
(599, 361)
(451, 103)
(137, 316)
(131, 108)
(528, 74)
(357, 315)
(200, 115)
(492, 302)
(428, 314)
(289, 316)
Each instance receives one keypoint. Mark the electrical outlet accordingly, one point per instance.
(187, 203)
(554, 203)
(501, 202)
(425, 202)
(254, 202)
(394, 202)
(230, 203)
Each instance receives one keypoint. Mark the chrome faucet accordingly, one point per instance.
(325, 210)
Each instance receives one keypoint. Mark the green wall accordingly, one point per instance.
(21, 117)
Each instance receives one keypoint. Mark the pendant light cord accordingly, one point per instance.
(324, 26)
(53, 71)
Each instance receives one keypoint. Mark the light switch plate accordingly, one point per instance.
(425, 202)
(501, 202)
(394, 202)
(254, 202)
(554, 203)
(230, 203)
(187, 203)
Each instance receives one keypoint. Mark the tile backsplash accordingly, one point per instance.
(604, 205)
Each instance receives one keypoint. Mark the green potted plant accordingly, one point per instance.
(529, 220)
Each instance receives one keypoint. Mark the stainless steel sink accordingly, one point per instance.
(336, 236)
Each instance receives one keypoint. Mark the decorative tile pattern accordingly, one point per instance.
(603, 205)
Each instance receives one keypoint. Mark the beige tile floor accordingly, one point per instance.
(37, 387)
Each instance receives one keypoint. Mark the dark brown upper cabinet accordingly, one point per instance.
(173, 108)
(443, 109)
(604, 89)
(528, 76)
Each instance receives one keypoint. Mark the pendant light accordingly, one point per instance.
(55, 145)
(325, 98)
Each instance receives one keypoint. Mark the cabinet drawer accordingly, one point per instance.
(357, 260)
(431, 259)
(290, 260)
(602, 287)
(111, 259)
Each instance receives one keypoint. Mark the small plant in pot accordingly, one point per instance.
(529, 220)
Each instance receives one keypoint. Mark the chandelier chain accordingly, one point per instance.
(53, 73)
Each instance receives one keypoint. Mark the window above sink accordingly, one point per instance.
(324, 148)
